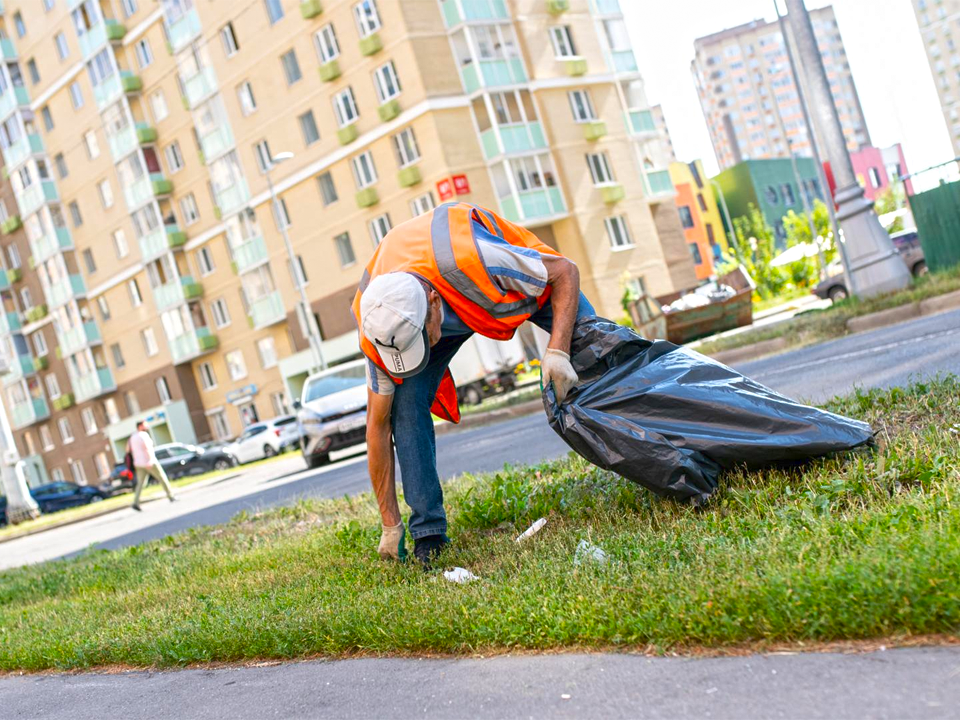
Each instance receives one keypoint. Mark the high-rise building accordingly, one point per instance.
(661, 122)
(938, 28)
(749, 99)
(137, 136)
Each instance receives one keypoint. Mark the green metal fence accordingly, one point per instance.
(937, 213)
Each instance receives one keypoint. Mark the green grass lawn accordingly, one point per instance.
(862, 545)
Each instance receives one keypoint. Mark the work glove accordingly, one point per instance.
(391, 543)
(555, 367)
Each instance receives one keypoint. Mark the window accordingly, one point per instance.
(618, 233)
(88, 261)
(13, 255)
(120, 244)
(76, 95)
(174, 157)
(104, 307)
(66, 434)
(582, 106)
(280, 215)
(686, 217)
(267, 352)
(262, 152)
(149, 339)
(46, 437)
(379, 227)
(93, 147)
(76, 470)
(47, 7)
(57, 475)
(53, 386)
(40, 344)
(326, 42)
(18, 24)
(600, 170)
(274, 10)
(235, 365)
(695, 252)
(712, 238)
(229, 39)
(221, 315)
(158, 103)
(563, 46)
(328, 191)
(163, 390)
(208, 379)
(61, 164)
(279, 402)
(345, 107)
(291, 68)
(386, 82)
(144, 54)
(130, 400)
(47, 118)
(422, 204)
(308, 127)
(770, 194)
(75, 215)
(221, 428)
(60, 40)
(34, 72)
(26, 298)
(188, 209)
(106, 193)
(118, 360)
(102, 465)
(89, 420)
(701, 202)
(364, 172)
(874, 177)
(405, 146)
(786, 191)
(110, 410)
(134, 289)
(205, 261)
(345, 250)
(248, 104)
(367, 17)
(129, 7)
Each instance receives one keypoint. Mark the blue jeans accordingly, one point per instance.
(413, 435)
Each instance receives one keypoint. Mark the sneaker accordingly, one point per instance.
(427, 549)
(173, 499)
(136, 507)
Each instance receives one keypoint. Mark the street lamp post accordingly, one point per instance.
(313, 332)
(723, 206)
(875, 266)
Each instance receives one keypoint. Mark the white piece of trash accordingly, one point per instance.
(460, 575)
(533, 529)
(586, 552)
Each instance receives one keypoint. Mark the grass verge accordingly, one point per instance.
(856, 546)
(816, 326)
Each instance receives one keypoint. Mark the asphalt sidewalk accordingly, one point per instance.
(914, 683)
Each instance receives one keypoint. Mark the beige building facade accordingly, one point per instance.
(941, 34)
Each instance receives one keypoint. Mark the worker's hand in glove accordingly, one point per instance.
(391, 543)
(555, 367)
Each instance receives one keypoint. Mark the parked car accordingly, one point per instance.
(332, 411)
(260, 440)
(289, 431)
(120, 481)
(62, 495)
(907, 244)
(180, 459)
(3, 510)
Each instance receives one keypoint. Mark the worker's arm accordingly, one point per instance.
(564, 279)
(380, 456)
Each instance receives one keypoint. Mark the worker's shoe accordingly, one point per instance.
(427, 549)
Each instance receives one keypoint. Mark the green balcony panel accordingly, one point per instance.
(192, 289)
(371, 44)
(389, 110)
(310, 8)
(4, 281)
(8, 49)
(184, 30)
(348, 134)
(557, 7)
(576, 66)
(14, 275)
(10, 101)
(409, 176)
(175, 237)
(34, 410)
(594, 130)
(41, 363)
(612, 194)
(63, 402)
(250, 254)
(216, 143)
(267, 310)
(641, 121)
(367, 197)
(659, 182)
(10, 322)
(473, 10)
(94, 383)
(160, 185)
(330, 71)
(115, 30)
(130, 82)
(145, 133)
(18, 152)
(10, 224)
(199, 86)
(207, 340)
(36, 313)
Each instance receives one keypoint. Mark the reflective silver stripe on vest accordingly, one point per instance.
(493, 222)
(364, 281)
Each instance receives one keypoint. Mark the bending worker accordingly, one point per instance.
(433, 282)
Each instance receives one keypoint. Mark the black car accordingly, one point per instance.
(62, 495)
(180, 459)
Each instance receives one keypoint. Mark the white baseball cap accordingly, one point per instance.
(393, 316)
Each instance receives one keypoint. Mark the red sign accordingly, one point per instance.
(445, 189)
(461, 185)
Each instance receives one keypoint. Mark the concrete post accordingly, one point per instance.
(20, 503)
(874, 264)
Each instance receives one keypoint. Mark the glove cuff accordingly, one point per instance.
(554, 351)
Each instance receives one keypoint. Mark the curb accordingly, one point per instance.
(884, 318)
(493, 416)
(750, 352)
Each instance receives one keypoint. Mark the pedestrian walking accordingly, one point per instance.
(145, 462)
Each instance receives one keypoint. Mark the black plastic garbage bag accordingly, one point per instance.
(671, 419)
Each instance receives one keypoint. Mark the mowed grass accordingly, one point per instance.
(860, 545)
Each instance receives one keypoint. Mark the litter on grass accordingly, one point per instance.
(460, 575)
(587, 552)
(533, 529)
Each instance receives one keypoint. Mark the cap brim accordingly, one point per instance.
(409, 362)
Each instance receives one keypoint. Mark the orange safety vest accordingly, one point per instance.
(440, 246)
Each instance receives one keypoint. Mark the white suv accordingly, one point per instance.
(265, 439)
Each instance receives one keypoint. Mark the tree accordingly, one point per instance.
(754, 247)
(797, 226)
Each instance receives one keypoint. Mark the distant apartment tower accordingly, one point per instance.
(938, 27)
(661, 122)
(748, 97)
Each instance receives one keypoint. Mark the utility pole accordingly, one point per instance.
(875, 266)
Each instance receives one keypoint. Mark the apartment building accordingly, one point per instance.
(749, 99)
(142, 141)
(938, 28)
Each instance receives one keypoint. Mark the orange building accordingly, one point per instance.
(699, 216)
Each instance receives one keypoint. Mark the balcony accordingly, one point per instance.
(641, 122)
(233, 198)
(659, 183)
(409, 176)
(50, 244)
(160, 241)
(22, 149)
(93, 384)
(458, 11)
(9, 322)
(594, 130)
(310, 8)
(557, 7)
(389, 110)
(199, 87)
(10, 101)
(533, 205)
(576, 66)
(35, 313)
(110, 89)
(348, 134)
(34, 410)
(513, 138)
(33, 197)
(612, 193)
(4, 280)
(216, 143)
(78, 338)
(40, 363)
(175, 292)
(63, 292)
(606, 7)
(367, 197)
(145, 188)
(268, 310)
(65, 401)
(129, 138)
(187, 347)
(99, 35)
(184, 30)
(493, 73)
(330, 71)
(11, 224)
(7, 49)
(624, 61)
(14, 275)
(250, 254)
(20, 367)
(371, 44)
(159, 185)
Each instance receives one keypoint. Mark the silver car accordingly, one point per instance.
(333, 411)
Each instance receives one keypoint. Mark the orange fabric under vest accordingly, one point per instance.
(440, 247)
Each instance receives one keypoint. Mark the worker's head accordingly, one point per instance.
(142, 425)
(401, 315)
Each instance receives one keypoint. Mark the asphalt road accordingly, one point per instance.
(909, 683)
